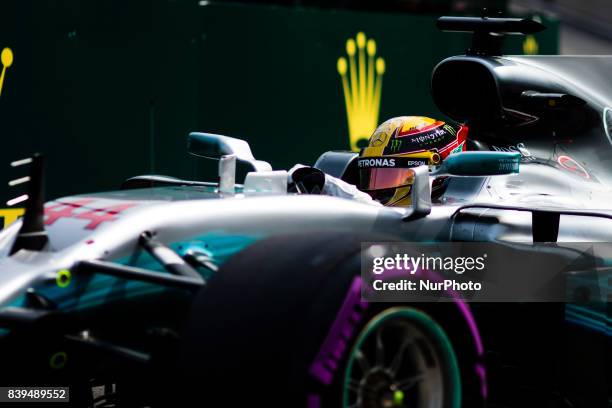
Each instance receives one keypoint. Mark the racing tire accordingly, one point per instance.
(283, 324)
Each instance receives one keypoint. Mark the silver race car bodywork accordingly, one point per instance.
(104, 249)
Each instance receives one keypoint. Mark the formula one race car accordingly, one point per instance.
(168, 291)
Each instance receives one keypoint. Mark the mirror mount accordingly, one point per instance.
(421, 194)
(227, 174)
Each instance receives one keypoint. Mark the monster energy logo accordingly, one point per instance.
(394, 145)
(450, 129)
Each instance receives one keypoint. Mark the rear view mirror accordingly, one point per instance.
(479, 164)
(213, 146)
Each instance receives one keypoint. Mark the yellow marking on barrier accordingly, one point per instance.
(530, 45)
(10, 215)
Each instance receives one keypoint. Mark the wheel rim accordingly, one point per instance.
(401, 359)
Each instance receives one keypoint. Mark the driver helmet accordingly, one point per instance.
(399, 144)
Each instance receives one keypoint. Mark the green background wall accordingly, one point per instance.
(108, 89)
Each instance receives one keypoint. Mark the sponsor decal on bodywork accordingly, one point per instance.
(518, 148)
(573, 166)
(90, 209)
